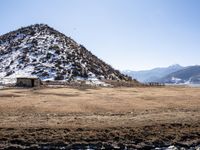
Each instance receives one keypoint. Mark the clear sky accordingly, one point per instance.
(128, 34)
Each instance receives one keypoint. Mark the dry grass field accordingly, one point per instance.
(132, 117)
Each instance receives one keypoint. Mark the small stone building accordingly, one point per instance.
(28, 82)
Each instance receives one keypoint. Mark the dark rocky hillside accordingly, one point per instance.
(39, 50)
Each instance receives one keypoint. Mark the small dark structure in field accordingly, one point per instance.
(155, 84)
(28, 82)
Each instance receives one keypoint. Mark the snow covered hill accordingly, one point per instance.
(40, 51)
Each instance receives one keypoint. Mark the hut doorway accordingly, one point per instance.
(32, 83)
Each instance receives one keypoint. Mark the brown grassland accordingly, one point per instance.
(135, 117)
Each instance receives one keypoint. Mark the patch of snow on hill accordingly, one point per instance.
(176, 80)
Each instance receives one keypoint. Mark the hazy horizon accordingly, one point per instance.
(129, 35)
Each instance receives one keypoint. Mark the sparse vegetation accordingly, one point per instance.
(147, 116)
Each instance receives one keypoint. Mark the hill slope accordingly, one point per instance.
(39, 50)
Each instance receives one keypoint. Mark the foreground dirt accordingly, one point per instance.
(117, 118)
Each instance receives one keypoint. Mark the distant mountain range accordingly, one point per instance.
(187, 75)
(153, 74)
(174, 74)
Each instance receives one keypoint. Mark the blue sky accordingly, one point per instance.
(128, 34)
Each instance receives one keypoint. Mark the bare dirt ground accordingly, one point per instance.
(106, 118)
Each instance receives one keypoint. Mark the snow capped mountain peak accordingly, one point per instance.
(41, 51)
(175, 66)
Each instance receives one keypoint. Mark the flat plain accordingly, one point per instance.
(138, 117)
